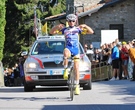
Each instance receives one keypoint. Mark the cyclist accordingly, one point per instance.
(71, 34)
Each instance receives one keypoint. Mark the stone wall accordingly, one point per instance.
(121, 13)
(86, 2)
(71, 3)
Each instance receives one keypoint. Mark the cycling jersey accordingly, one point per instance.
(72, 39)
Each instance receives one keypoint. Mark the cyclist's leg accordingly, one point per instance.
(77, 74)
(67, 54)
(76, 67)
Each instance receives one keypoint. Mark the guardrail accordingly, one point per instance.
(101, 71)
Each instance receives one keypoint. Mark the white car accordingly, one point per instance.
(43, 66)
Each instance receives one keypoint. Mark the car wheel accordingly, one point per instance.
(28, 88)
(87, 86)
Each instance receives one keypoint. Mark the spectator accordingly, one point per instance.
(119, 45)
(110, 46)
(85, 48)
(116, 41)
(90, 52)
(21, 62)
(131, 52)
(130, 68)
(130, 63)
(96, 58)
(91, 47)
(115, 62)
(17, 75)
(124, 58)
(105, 53)
(6, 80)
(10, 77)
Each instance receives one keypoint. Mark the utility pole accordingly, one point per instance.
(35, 21)
(37, 24)
(69, 6)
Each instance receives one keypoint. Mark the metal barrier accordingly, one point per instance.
(101, 71)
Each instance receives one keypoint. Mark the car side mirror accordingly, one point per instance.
(24, 53)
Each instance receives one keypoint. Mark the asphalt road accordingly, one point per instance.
(105, 95)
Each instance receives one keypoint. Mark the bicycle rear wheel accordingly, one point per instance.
(71, 84)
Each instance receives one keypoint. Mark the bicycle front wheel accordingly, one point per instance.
(72, 84)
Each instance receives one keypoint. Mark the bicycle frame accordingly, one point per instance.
(71, 79)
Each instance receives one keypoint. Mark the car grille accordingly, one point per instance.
(53, 65)
(51, 77)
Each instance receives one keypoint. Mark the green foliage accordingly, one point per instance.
(2, 26)
(19, 26)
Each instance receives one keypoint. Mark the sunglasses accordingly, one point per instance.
(71, 21)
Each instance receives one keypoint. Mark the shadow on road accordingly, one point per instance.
(11, 89)
(37, 99)
(90, 107)
(50, 89)
(37, 89)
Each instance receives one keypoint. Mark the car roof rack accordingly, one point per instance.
(50, 37)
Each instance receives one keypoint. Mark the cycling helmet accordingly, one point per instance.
(71, 17)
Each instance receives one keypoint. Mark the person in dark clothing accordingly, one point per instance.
(119, 45)
(20, 65)
(85, 48)
(10, 77)
(96, 58)
(16, 75)
(105, 53)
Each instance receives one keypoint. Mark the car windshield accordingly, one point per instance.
(48, 47)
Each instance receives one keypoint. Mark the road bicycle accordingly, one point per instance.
(71, 80)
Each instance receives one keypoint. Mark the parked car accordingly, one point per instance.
(43, 66)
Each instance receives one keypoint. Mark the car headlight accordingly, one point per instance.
(32, 65)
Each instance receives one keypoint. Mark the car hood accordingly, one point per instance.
(46, 58)
(50, 58)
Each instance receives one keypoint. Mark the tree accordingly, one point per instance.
(20, 23)
(2, 26)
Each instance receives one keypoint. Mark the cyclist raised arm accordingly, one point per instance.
(87, 28)
(82, 27)
(71, 34)
(56, 29)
